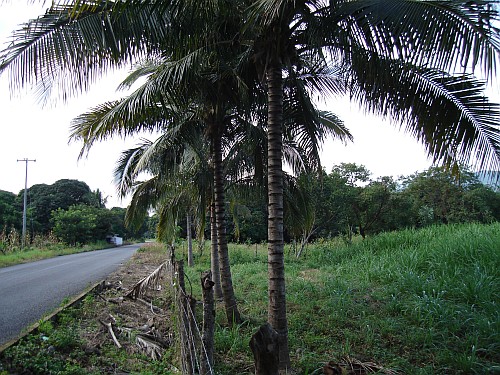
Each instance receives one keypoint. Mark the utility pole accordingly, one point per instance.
(23, 239)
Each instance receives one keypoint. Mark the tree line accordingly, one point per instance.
(347, 202)
(69, 210)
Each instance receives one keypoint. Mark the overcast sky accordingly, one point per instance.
(28, 130)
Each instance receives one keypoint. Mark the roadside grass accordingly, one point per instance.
(52, 351)
(415, 302)
(50, 251)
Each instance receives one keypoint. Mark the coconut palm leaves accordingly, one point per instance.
(447, 35)
(73, 43)
(450, 115)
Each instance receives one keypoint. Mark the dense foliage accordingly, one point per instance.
(67, 208)
(347, 201)
(10, 215)
(43, 199)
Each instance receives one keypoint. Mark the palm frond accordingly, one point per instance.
(143, 199)
(71, 45)
(122, 117)
(126, 172)
(449, 114)
(151, 281)
(307, 126)
(143, 68)
(440, 34)
(151, 347)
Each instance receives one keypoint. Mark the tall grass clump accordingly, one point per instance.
(425, 300)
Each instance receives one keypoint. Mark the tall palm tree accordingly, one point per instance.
(399, 56)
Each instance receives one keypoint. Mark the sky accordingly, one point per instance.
(30, 130)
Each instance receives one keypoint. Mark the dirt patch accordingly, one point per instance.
(311, 274)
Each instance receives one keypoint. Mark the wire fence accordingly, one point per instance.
(196, 345)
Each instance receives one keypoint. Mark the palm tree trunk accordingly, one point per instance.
(214, 255)
(276, 264)
(232, 313)
(189, 240)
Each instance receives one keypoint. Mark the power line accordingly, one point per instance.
(26, 160)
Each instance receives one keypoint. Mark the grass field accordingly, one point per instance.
(417, 302)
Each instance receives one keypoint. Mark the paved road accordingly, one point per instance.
(28, 291)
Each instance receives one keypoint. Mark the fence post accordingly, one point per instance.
(207, 347)
(184, 321)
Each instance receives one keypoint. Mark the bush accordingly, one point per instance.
(81, 224)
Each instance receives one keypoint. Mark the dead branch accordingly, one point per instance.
(109, 326)
(126, 331)
(152, 280)
(101, 297)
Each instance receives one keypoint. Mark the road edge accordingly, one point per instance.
(74, 300)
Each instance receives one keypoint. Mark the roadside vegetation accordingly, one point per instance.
(65, 214)
(407, 302)
(50, 248)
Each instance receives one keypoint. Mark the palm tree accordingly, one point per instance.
(398, 65)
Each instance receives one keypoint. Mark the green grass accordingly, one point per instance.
(419, 302)
(31, 254)
(51, 351)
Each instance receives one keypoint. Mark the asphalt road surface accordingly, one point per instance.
(28, 291)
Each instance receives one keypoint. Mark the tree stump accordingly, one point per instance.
(265, 349)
